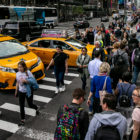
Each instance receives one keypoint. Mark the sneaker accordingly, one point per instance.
(57, 91)
(37, 111)
(63, 88)
(90, 113)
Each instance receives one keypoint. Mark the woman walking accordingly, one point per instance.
(25, 80)
(82, 63)
(60, 67)
(99, 83)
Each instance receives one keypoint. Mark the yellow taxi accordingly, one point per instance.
(11, 52)
(46, 47)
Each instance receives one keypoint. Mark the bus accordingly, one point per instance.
(44, 16)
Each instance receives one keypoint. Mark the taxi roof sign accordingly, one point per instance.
(54, 33)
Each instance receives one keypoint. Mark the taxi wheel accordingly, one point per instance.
(48, 26)
(28, 37)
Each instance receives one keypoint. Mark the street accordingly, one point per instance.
(40, 127)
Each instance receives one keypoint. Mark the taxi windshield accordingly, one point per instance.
(76, 43)
(11, 48)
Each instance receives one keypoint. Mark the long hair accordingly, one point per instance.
(23, 64)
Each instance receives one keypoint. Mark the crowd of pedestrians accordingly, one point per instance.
(113, 71)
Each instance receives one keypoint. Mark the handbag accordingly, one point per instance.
(103, 92)
(80, 70)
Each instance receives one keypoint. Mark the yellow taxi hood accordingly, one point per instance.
(12, 62)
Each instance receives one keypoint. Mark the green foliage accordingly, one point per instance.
(77, 10)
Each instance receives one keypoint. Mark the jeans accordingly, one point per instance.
(22, 97)
(91, 104)
(135, 74)
(84, 82)
(59, 74)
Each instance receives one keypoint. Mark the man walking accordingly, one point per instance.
(72, 120)
(109, 121)
(93, 69)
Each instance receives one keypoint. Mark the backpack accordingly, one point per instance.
(125, 100)
(137, 57)
(68, 124)
(107, 132)
(119, 59)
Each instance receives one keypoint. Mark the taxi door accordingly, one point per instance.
(41, 48)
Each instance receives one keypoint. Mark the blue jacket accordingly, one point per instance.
(31, 83)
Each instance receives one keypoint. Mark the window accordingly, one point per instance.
(59, 43)
(41, 44)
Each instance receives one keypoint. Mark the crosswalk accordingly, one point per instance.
(43, 96)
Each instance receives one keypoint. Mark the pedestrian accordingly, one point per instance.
(136, 63)
(72, 120)
(77, 34)
(90, 36)
(100, 81)
(124, 90)
(98, 36)
(60, 67)
(136, 114)
(108, 125)
(82, 63)
(138, 27)
(98, 48)
(120, 60)
(93, 69)
(24, 89)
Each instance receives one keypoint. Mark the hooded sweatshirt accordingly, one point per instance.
(107, 118)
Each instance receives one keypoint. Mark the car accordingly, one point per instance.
(22, 30)
(81, 23)
(105, 19)
(11, 52)
(46, 47)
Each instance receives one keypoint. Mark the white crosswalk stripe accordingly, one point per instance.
(42, 99)
(46, 87)
(15, 108)
(70, 74)
(54, 80)
(8, 126)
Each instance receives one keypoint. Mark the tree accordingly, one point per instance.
(77, 10)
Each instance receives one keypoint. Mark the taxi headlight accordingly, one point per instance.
(38, 61)
(6, 69)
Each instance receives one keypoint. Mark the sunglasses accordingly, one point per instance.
(135, 95)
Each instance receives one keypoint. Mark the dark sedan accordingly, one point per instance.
(80, 23)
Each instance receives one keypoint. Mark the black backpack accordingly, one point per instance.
(137, 57)
(119, 59)
(107, 132)
(125, 100)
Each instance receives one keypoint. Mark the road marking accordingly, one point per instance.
(52, 88)
(7, 126)
(42, 99)
(15, 108)
(35, 134)
(70, 74)
(54, 80)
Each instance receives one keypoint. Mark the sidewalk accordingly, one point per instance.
(42, 127)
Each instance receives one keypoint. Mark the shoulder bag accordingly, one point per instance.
(103, 92)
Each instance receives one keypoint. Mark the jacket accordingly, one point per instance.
(32, 83)
(107, 118)
(124, 55)
(83, 120)
(79, 62)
